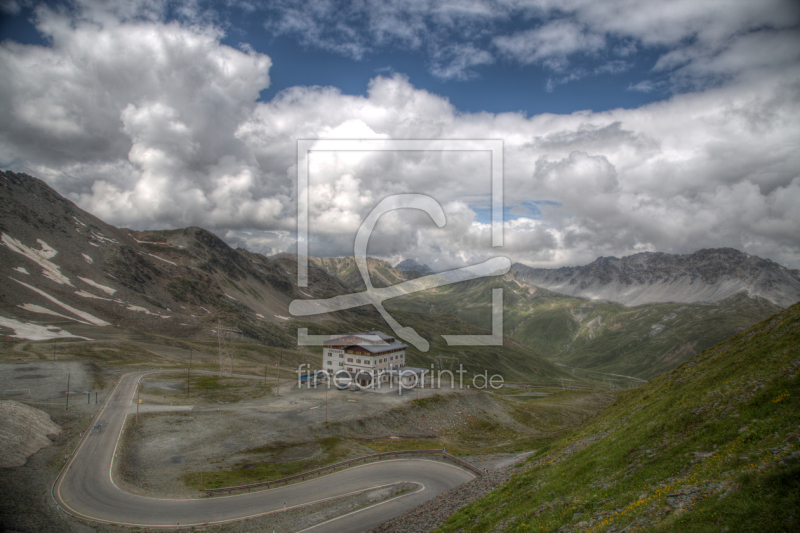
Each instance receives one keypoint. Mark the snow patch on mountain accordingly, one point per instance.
(85, 294)
(162, 259)
(33, 308)
(35, 332)
(102, 238)
(107, 290)
(22, 270)
(40, 257)
(139, 309)
(84, 315)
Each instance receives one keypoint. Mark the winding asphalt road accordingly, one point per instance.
(86, 488)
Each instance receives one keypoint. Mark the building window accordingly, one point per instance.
(340, 356)
(341, 364)
(330, 362)
(349, 359)
(358, 361)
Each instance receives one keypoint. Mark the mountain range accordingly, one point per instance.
(703, 276)
(68, 273)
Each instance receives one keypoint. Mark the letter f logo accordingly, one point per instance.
(493, 267)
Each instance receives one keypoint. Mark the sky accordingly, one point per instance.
(627, 125)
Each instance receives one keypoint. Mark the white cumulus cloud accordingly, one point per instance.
(152, 124)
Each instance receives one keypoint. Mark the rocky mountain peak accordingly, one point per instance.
(412, 264)
(707, 275)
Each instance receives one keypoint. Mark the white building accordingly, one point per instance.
(372, 353)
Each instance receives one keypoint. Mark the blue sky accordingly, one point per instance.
(496, 88)
(628, 125)
(502, 86)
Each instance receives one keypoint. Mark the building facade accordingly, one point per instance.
(372, 352)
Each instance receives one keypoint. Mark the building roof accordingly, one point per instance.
(372, 337)
(375, 342)
(380, 348)
(381, 334)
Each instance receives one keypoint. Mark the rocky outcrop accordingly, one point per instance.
(25, 431)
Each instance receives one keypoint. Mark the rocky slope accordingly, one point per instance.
(703, 276)
(64, 266)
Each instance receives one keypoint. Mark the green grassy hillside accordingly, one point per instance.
(642, 341)
(345, 269)
(713, 445)
(513, 360)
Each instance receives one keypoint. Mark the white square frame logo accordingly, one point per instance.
(493, 146)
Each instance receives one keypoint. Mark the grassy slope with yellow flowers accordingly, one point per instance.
(713, 445)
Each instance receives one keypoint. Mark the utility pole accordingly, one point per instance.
(278, 375)
(138, 383)
(326, 406)
(189, 376)
(67, 392)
